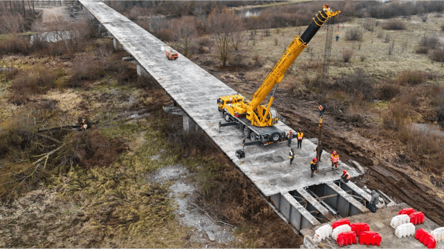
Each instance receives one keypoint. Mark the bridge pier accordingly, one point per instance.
(117, 45)
(141, 71)
(188, 123)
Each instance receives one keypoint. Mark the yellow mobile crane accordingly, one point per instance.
(257, 120)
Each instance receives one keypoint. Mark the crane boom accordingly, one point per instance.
(260, 115)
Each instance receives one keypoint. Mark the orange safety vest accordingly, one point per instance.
(300, 135)
(334, 158)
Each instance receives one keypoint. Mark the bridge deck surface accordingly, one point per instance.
(196, 92)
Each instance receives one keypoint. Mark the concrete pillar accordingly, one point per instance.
(188, 124)
(141, 71)
(116, 45)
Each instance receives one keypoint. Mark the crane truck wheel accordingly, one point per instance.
(246, 131)
(227, 117)
(275, 137)
(252, 136)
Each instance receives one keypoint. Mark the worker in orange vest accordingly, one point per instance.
(345, 176)
(313, 166)
(300, 137)
(334, 160)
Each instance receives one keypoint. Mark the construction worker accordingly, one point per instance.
(291, 156)
(290, 136)
(300, 137)
(313, 166)
(374, 201)
(334, 160)
(345, 176)
(337, 36)
(321, 110)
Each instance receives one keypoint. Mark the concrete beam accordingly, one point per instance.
(141, 71)
(188, 124)
(316, 204)
(345, 203)
(175, 110)
(298, 216)
(357, 190)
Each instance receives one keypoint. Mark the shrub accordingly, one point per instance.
(204, 42)
(430, 42)
(411, 77)
(388, 91)
(15, 45)
(369, 24)
(394, 25)
(347, 55)
(11, 23)
(437, 55)
(353, 34)
(358, 84)
(85, 68)
(35, 81)
(422, 50)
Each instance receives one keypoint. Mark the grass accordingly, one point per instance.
(140, 212)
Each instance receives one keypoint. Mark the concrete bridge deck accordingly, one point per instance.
(196, 92)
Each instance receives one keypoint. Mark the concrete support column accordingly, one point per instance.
(141, 71)
(117, 45)
(188, 124)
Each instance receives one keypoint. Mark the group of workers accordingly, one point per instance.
(314, 162)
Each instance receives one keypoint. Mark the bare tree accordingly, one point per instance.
(185, 33)
(224, 24)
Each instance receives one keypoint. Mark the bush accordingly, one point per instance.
(358, 84)
(35, 81)
(422, 50)
(353, 34)
(442, 27)
(347, 55)
(369, 24)
(430, 42)
(411, 77)
(15, 45)
(388, 91)
(11, 23)
(85, 68)
(437, 55)
(394, 25)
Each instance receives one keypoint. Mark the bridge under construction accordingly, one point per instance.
(303, 202)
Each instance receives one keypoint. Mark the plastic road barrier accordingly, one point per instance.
(399, 219)
(426, 238)
(406, 211)
(370, 238)
(346, 238)
(405, 230)
(417, 218)
(340, 229)
(438, 234)
(323, 232)
(358, 228)
(340, 222)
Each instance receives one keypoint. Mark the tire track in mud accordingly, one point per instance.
(393, 181)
